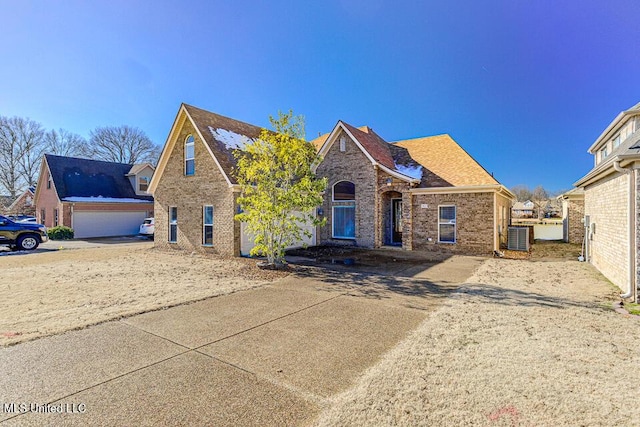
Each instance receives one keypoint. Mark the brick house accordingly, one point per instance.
(611, 200)
(24, 204)
(422, 194)
(572, 215)
(95, 198)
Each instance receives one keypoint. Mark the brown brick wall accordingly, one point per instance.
(474, 223)
(189, 194)
(350, 165)
(575, 217)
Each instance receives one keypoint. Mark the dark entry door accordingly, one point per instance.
(396, 221)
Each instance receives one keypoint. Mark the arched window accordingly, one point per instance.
(344, 213)
(189, 156)
(344, 191)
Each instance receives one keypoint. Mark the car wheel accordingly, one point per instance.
(28, 242)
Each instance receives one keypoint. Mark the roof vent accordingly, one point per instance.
(518, 239)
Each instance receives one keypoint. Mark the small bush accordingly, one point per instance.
(60, 232)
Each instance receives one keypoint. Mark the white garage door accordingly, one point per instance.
(106, 223)
(246, 239)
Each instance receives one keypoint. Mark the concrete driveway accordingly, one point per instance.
(268, 356)
(55, 245)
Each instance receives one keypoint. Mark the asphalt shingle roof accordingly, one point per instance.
(75, 177)
(207, 121)
(444, 162)
(442, 156)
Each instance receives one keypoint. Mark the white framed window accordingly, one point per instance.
(143, 183)
(447, 224)
(173, 224)
(616, 141)
(55, 217)
(343, 143)
(604, 153)
(344, 222)
(344, 191)
(207, 225)
(189, 156)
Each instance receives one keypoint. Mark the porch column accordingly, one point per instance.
(407, 221)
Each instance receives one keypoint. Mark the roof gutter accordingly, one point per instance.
(606, 169)
(487, 188)
(611, 129)
(630, 172)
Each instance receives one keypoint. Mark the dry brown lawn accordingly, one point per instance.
(522, 343)
(51, 292)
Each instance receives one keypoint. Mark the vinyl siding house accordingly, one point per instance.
(611, 202)
(523, 209)
(95, 198)
(420, 194)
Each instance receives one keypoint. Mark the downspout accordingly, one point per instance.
(630, 225)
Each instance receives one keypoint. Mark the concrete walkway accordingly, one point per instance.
(268, 356)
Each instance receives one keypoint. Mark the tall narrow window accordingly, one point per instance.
(207, 225)
(189, 156)
(344, 215)
(55, 217)
(173, 224)
(446, 224)
(48, 180)
(42, 216)
(344, 222)
(343, 143)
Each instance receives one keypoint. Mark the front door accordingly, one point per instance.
(396, 221)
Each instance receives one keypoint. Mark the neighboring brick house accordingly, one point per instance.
(5, 202)
(23, 204)
(572, 215)
(611, 202)
(421, 194)
(95, 198)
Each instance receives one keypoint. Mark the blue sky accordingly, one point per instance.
(524, 86)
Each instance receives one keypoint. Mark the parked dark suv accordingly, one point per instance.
(22, 236)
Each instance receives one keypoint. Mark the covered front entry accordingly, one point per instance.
(391, 218)
(396, 221)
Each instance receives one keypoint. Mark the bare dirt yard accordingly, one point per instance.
(526, 342)
(521, 343)
(55, 291)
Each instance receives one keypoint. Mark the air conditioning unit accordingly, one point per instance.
(518, 239)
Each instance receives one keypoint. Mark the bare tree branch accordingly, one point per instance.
(123, 144)
(64, 143)
(21, 148)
